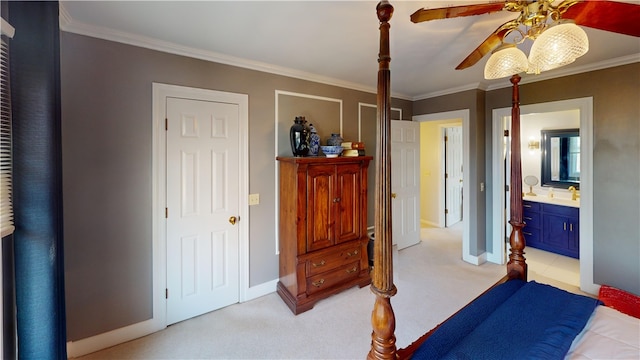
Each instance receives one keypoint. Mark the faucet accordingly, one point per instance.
(574, 195)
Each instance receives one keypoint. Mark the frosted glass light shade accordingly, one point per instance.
(558, 46)
(505, 61)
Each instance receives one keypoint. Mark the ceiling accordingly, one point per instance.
(334, 42)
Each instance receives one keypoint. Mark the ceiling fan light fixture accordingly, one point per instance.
(557, 46)
(507, 60)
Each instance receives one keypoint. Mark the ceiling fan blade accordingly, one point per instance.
(455, 11)
(617, 17)
(488, 45)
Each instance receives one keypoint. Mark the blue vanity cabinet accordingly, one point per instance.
(552, 228)
(531, 216)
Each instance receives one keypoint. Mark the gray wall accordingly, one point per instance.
(616, 162)
(106, 135)
(474, 101)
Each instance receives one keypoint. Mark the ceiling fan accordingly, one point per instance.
(535, 16)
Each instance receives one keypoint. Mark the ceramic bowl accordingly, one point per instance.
(331, 151)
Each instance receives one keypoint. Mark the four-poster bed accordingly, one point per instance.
(451, 338)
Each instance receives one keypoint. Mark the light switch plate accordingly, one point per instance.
(254, 199)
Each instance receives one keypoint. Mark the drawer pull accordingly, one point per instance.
(527, 206)
(526, 233)
(318, 283)
(321, 263)
(570, 227)
(352, 270)
(354, 253)
(527, 218)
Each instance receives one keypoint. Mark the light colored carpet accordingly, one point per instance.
(432, 280)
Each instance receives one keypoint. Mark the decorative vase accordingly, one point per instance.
(299, 137)
(314, 141)
(334, 140)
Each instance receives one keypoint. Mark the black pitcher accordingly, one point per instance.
(299, 136)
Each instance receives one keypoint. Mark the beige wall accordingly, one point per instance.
(106, 135)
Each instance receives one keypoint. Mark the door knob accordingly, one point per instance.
(393, 195)
(233, 220)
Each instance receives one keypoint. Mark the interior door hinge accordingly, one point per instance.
(166, 293)
(166, 213)
(446, 138)
(506, 133)
(506, 188)
(166, 124)
(446, 211)
(446, 176)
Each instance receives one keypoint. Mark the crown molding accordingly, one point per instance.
(472, 86)
(567, 71)
(531, 78)
(68, 24)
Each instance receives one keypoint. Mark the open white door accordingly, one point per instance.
(405, 182)
(453, 175)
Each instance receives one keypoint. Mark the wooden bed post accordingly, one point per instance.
(516, 267)
(383, 340)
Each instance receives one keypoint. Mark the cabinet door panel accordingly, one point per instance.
(555, 231)
(320, 202)
(574, 237)
(349, 202)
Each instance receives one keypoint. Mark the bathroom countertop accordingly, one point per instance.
(554, 200)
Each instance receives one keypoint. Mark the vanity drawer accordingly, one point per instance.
(332, 278)
(530, 205)
(532, 219)
(325, 260)
(531, 236)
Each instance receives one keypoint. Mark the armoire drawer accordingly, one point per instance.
(329, 279)
(326, 260)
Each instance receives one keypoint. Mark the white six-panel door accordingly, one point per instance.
(202, 203)
(405, 182)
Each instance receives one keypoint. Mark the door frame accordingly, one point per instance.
(160, 93)
(463, 114)
(585, 105)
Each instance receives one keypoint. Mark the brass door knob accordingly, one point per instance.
(233, 220)
(393, 195)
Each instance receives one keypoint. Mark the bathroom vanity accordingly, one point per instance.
(552, 225)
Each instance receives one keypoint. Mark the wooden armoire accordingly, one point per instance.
(322, 228)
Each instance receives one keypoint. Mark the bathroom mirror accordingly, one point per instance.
(560, 158)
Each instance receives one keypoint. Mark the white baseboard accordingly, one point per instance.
(118, 336)
(263, 289)
(475, 260)
(429, 223)
(111, 338)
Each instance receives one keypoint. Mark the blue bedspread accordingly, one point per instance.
(515, 320)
